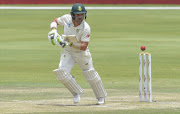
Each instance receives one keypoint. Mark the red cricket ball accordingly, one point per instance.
(143, 48)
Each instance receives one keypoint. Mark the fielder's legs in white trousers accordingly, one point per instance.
(84, 60)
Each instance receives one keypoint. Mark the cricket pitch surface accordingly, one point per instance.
(54, 100)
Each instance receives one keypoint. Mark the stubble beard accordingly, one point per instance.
(78, 21)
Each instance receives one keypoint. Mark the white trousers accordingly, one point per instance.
(69, 59)
(84, 60)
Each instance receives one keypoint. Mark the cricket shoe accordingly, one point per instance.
(77, 98)
(101, 101)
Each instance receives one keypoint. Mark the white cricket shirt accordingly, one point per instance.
(82, 31)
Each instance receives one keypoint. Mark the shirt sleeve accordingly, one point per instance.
(61, 20)
(86, 35)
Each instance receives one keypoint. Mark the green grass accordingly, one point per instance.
(27, 60)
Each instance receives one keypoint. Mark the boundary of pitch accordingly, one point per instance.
(94, 8)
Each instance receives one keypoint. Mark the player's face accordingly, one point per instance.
(79, 18)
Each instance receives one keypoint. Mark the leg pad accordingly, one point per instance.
(68, 81)
(95, 81)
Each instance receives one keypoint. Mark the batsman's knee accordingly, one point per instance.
(62, 75)
(91, 76)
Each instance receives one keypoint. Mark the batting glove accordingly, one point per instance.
(62, 42)
(52, 36)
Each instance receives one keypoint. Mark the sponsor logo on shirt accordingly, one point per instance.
(88, 35)
(69, 24)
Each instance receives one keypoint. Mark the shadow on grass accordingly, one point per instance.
(71, 105)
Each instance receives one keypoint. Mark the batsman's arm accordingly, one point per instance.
(80, 46)
(54, 24)
(53, 33)
(84, 40)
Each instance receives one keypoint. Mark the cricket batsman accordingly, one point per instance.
(76, 52)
